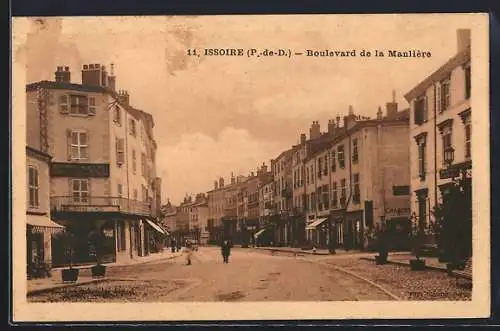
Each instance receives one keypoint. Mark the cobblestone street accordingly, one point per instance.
(255, 276)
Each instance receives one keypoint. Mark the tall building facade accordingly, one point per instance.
(354, 176)
(440, 132)
(103, 167)
(281, 167)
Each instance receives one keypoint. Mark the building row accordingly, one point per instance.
(91, 164)
(361, 174)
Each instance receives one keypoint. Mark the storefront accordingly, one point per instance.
(397, 214)
(39, 231)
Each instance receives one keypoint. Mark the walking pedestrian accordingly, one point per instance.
(189, 253)
(226, 250)
(173, 245)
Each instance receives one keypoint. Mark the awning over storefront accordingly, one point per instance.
(315, 224)
(259, 233)
(155, 226)
(42, 223)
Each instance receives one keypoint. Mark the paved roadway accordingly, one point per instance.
(250, 276)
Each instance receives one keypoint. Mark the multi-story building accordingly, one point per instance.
(267, 206)
(440, 131)
(40, 227)
(216, 201)
(355, 176)
(281, 167)
(198, 219)
(97, 139)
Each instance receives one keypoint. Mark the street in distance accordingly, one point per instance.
(254, 52)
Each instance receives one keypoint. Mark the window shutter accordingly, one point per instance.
(92, 106)
(68, 139)
(64, 104)
(438, 98)
(426, 108)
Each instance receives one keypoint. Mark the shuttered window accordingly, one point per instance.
(120, 151)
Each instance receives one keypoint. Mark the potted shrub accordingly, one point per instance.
(417, 234)
(68, 274)
(97, 240)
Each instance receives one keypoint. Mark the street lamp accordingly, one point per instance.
(448, 156)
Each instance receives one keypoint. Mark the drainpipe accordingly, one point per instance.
(128, 182)
(435, 148)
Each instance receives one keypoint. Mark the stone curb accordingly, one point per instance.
(290, 251)
(430, 267)
(59, 286)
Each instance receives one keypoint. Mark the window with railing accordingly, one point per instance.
(445, 94)
(80, 190)
(334, 195)
(355, 155)
(343, 192)
(448, 150)
(325, 197)
(356, 197)
(307, 175)
(325, 166)
(333, 161)
(421, 150)
(340, 156)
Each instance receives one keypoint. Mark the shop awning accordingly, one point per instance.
(258, 233)
(155, 226)
(315, 224)
(42, 223)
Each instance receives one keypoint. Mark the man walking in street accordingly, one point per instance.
(226, 250)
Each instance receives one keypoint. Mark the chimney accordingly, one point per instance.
(112, 78)
(124, 97)
(303, 138)
(331, 127)
(351, 110)
(216, 185)
(104, 76)
(233, 180)
(221, 182)
(463, 39)
(338, 121)
(92, 74)
(380, 114)
(63, 75)
(314, 131)
(392, 107)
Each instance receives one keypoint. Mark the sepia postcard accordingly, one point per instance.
(258, 167)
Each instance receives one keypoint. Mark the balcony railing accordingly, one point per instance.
(99, 204)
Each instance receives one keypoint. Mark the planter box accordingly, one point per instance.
(69, 275)
(98, 271)
(417, 264)
(380, 260)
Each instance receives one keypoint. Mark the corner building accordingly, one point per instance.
(103, 166)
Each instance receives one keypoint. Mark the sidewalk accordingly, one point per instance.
(404, 259)
(84, 277)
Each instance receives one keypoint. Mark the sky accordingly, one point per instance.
(217, 115)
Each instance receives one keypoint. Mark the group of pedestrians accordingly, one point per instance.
(189, 247)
